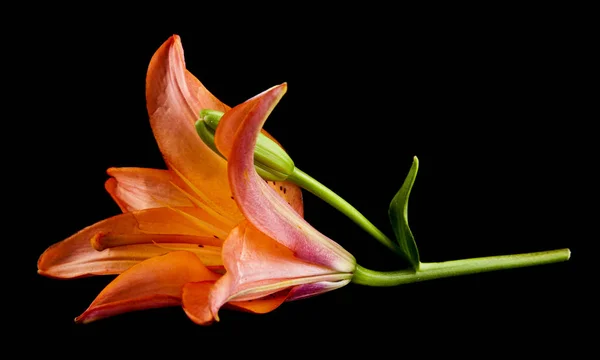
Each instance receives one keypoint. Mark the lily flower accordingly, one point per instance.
(270, 257)
(188, 208)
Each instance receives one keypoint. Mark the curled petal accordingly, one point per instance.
(258, 266)
(156, 282)
(261, 205)
(140, 188)
(174, 99)
(133, 236)
(225, 134)
(195, 302)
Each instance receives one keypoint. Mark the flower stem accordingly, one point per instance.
(306, 182)
(430, 271)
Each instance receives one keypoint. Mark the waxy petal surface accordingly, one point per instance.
(174, 99)
(261, 205)
(76, 257)
(141, 188)
(258, 266)
(156, 282)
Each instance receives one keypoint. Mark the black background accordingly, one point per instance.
(490, 100)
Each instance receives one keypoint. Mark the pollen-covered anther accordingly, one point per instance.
(96, 241)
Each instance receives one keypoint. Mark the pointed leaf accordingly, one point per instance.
(398, 213)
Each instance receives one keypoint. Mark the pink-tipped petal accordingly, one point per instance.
(225, 134)
(261, 205)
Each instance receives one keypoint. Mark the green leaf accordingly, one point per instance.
(398, 213)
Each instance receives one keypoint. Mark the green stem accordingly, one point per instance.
(430, 271)
(305, 181)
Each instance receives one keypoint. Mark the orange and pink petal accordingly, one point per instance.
(261, 205)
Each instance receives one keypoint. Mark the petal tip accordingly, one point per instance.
(174, 42)
(195, 302)
(86, 317)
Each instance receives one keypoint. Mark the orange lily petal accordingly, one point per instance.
(174, 99)
(261, 205)
(195, 302)
(156, 282)
(75, 256)
(258, 266)
(140, 188)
